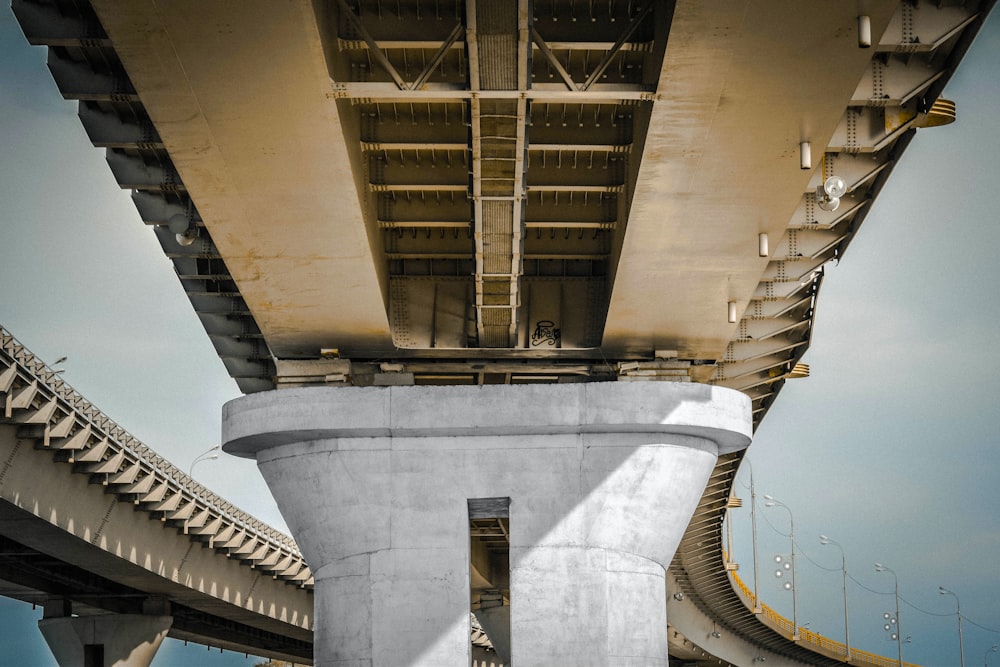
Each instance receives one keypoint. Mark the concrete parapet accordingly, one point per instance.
(602, 480)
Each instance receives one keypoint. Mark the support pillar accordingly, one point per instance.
(602, 478)
(110, 640)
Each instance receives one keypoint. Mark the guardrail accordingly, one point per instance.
(48, 409)
(806, 636)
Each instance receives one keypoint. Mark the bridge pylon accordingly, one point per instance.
(103, 640)
(564, 502)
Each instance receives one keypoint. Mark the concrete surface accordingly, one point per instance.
(128, 640)
(47, 507)
(602, 480)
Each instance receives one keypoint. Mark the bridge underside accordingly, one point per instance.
(472, 192)
(468, 192)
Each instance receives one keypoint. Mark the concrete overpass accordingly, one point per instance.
(114, 540)
(378, 195)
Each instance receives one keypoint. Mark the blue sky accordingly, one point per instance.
(889, 447)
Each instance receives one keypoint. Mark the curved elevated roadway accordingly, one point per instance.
(92, 521)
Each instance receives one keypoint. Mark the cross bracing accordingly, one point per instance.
(498, 147)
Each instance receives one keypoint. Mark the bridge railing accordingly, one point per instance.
(49, 409)
(807, 637)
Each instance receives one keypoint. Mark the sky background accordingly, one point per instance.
(890, 447)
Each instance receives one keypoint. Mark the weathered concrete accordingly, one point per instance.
(127, 640)
(602, 480)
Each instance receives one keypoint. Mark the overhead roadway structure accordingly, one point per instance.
(435, 192)
(574, 191)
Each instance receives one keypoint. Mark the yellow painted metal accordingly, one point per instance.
(808, 637)
(942, 112)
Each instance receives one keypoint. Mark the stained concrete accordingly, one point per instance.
(374, 483)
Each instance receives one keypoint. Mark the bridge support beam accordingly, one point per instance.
(111, 640)
(376, 484)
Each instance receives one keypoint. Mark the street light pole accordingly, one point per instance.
(899, 635)
(753, 529)
(204, 456)
(961, 642)
(823, 539)
(986, 656)
(771, 502)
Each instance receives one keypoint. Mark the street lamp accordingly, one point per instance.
(986, 656)
(771, 502)
(961, 642)
(823, 539)
(204, 456)
(56, 363)
(753, 529)
(899, 638)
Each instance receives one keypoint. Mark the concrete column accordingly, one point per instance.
(602, 480)
(110, 640)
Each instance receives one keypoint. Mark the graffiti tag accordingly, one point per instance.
(545, 333)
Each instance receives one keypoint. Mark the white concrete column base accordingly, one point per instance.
(129, 640)
(602, 480)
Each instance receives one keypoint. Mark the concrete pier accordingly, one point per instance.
(599, 480)
(112, 640)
